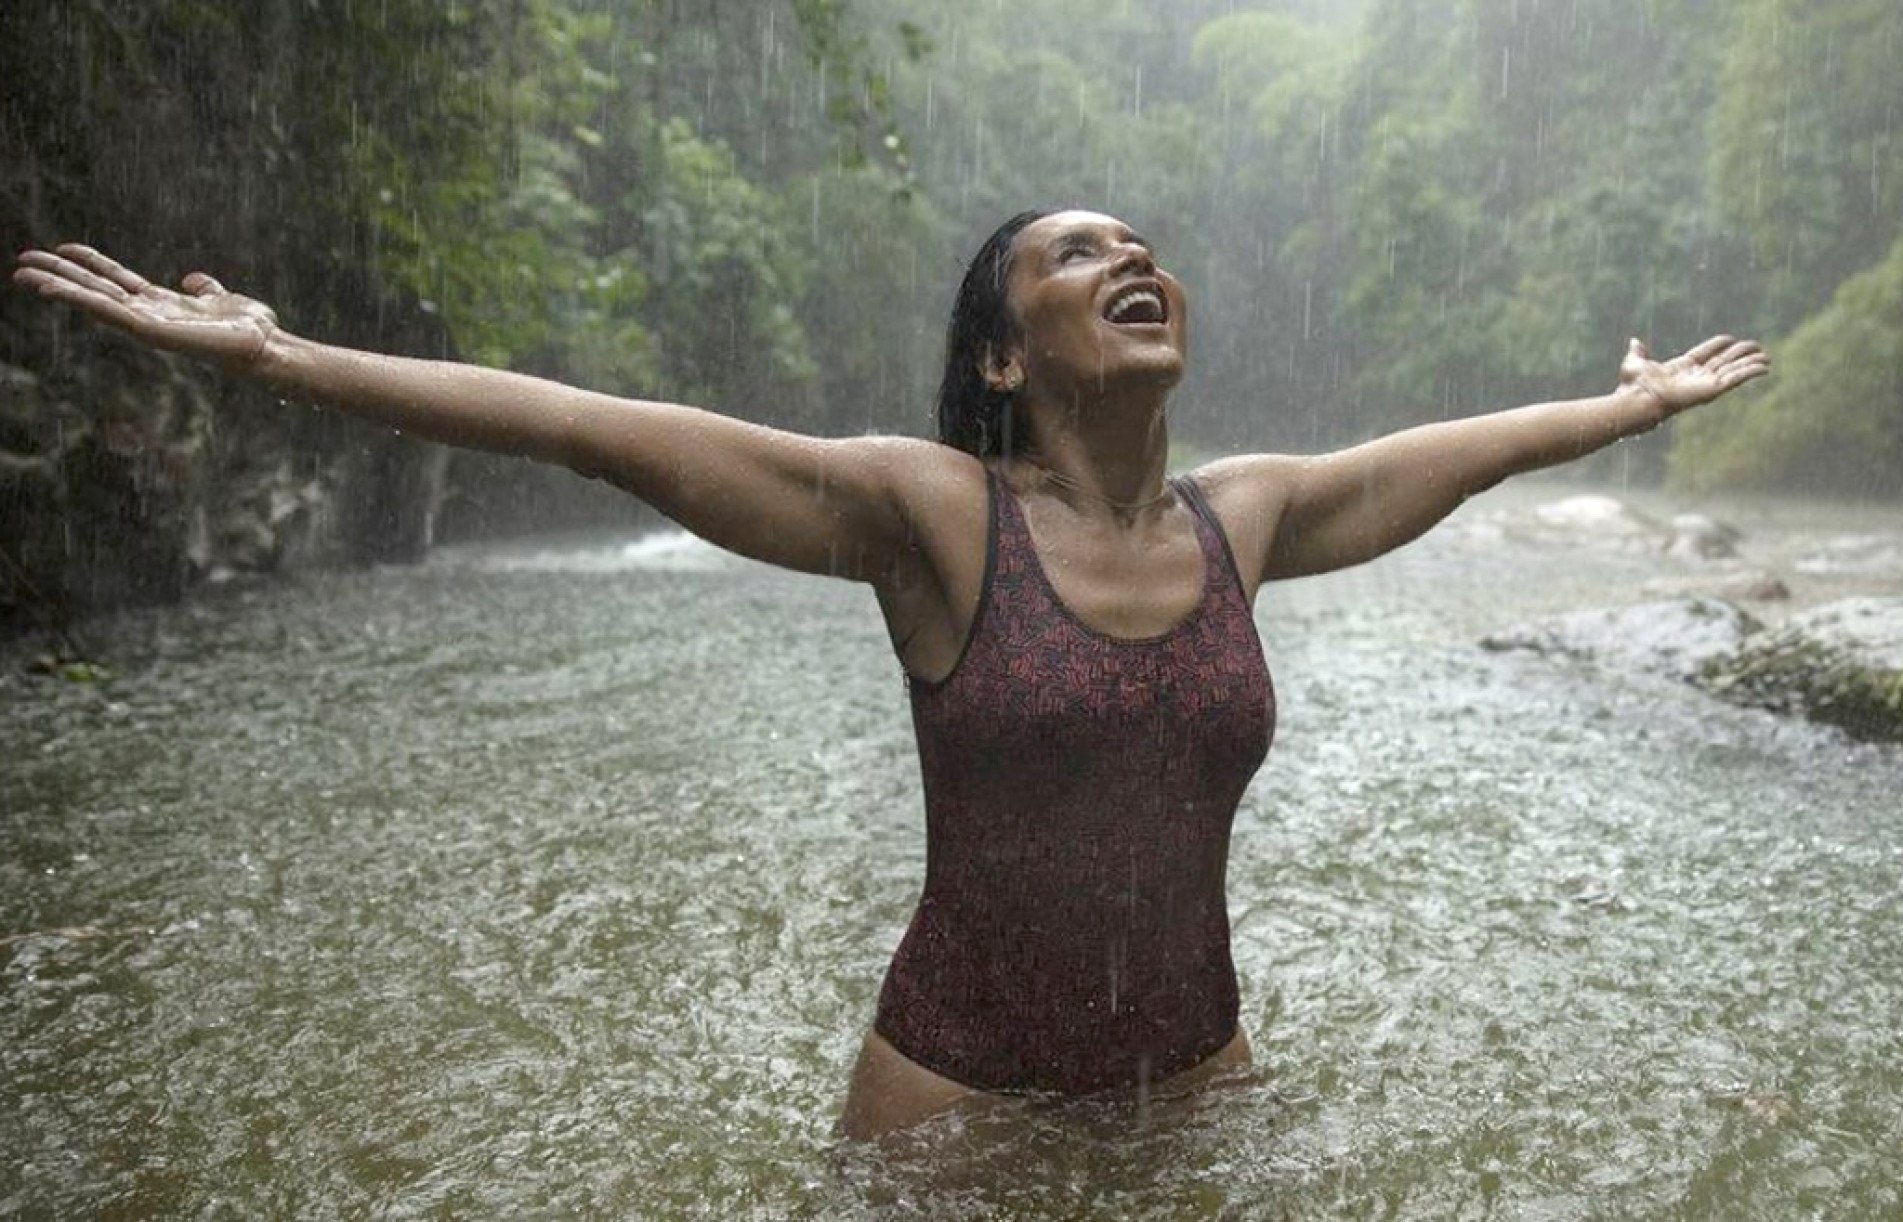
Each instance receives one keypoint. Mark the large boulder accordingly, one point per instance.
(1841, 663)
(1859, 555)
(97, 502)
(1696, 537)
(1677, 637)
(1733, 582)
(1608, 524)
(1600, 520)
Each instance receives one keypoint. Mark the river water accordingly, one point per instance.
(559, 879)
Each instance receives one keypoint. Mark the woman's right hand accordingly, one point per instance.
(885, 510)
(205, 321)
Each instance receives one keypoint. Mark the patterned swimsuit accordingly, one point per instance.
(1073, 934)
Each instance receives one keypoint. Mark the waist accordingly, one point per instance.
(1070, 996)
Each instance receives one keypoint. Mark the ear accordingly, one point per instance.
(1002, 371)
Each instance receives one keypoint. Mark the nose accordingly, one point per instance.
(1135, 259)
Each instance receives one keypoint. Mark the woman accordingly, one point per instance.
(1088, 690)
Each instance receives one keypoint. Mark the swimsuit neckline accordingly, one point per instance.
(1183, 624)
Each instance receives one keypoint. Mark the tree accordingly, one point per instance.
(1832, 420)
(1805, 153)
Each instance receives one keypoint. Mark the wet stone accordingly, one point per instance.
(1734, 583)
(1676, 638)
(1841, 663)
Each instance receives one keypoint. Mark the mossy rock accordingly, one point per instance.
(1841, 664)
(1679, 637)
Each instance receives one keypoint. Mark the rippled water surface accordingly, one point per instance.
(561, 880)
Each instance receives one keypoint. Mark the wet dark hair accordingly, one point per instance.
(971, 415)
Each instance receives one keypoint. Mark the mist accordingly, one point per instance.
(1385, 213)
(391, 830)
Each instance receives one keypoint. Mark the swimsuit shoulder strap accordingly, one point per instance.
(1215, 539)
(997, 517)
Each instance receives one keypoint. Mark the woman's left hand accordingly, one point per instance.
(1697, 376)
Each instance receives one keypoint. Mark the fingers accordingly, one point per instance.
(86, 267)
(1710, 348)
(103, 306)
(1739, 362)
(109, 269)
(1745, 371)
(198, 284)
(1735, 362)
(58, 267)
(1732, 361)
(1636, 347)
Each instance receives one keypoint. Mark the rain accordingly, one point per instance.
(388, 828)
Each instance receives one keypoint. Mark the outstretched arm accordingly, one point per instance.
(815, 505)
(1335, 510)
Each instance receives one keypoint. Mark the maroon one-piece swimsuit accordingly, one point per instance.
(1073, 934)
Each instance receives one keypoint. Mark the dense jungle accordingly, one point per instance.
(1389, 211)
(393, 831)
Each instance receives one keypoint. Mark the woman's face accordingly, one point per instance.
(1093, 308)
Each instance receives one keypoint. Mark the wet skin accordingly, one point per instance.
(891, 1093)
(1090, 383)
(909, 517)
(1067, 271)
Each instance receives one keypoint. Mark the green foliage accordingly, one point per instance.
(1386, 211)
(1831, 420)
(858, 94)
(726, 280)
(1805, 152)
(1051, 105)
(1288, 70)
(874, 295)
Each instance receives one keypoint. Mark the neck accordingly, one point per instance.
(1112, 450)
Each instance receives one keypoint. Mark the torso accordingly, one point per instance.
(1082, 763)
(1132, 582)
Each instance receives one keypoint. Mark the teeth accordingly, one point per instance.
(1130, 301)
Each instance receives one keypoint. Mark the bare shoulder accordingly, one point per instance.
(926, 479)
(939, 496)
(930, 592)
(1249, 481)
(1249, 494)
(918, 458)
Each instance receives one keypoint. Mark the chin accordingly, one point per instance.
(1163, 369)
(1156, 361)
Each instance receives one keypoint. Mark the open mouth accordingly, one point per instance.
(1139, 304)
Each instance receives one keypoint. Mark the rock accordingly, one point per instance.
(1841, 664)
(1746, 584)
(1677, 638)
(1697, 537)
(1606, 522)
(1603, 520)
(1855, 555)
(266, 523)
(21, 469)
(22, 403)
(128, 477)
